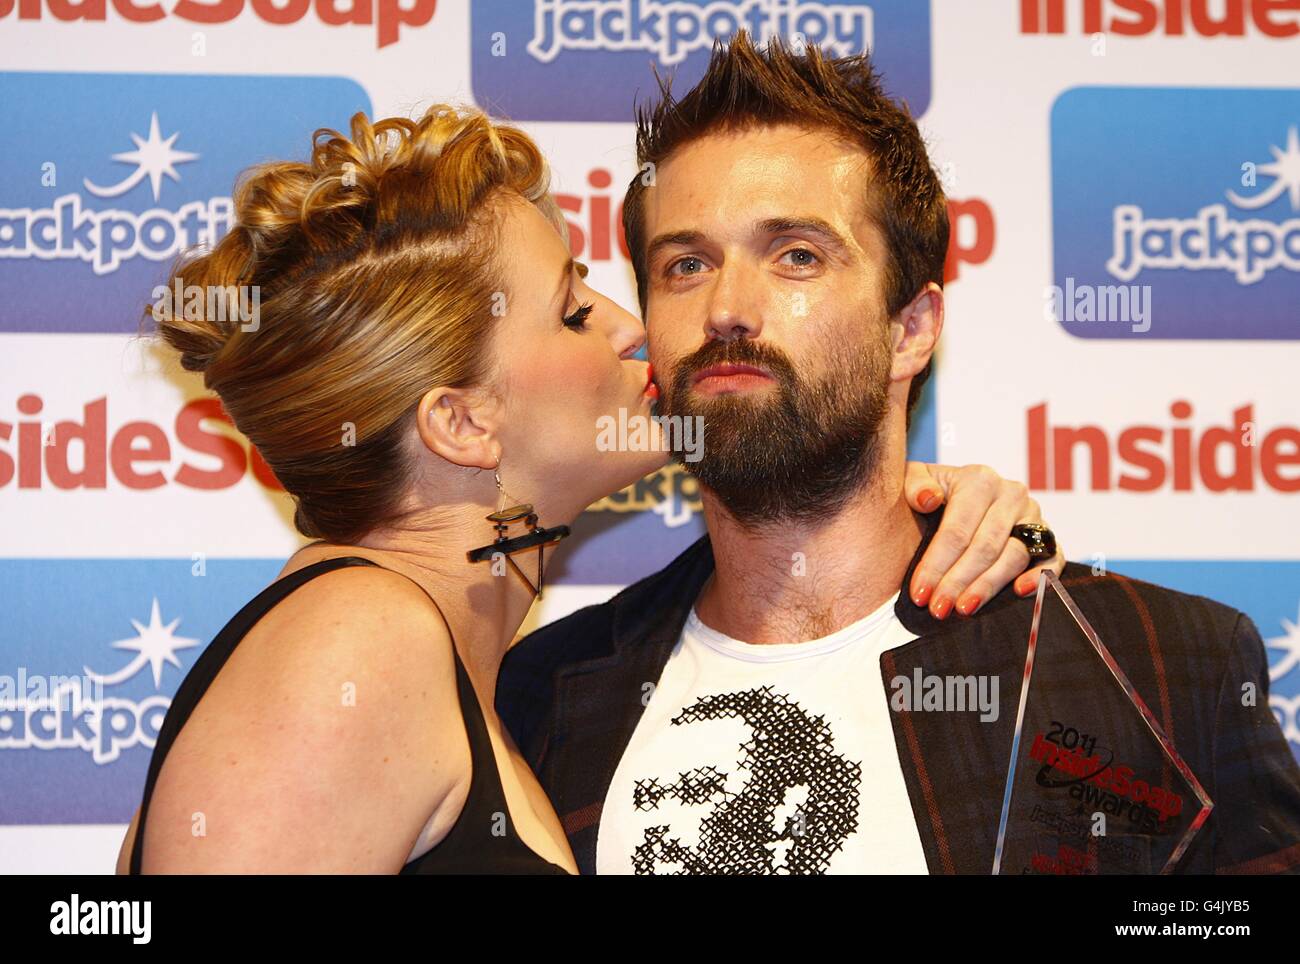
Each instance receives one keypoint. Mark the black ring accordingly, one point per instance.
(1039, 540)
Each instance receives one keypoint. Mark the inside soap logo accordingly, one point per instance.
(1213, 252)
(137, 170)
(588, 60)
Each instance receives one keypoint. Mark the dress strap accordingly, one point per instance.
(209, 664)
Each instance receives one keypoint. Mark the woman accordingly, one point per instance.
(413, 368)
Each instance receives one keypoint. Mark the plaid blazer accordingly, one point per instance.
(571, 695)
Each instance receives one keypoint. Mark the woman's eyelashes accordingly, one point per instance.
(578, 320)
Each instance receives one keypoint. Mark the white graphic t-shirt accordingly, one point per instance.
(765, 759)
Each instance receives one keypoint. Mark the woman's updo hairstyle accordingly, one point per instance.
(377, 278)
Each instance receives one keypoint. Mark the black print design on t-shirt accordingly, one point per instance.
(789, 748)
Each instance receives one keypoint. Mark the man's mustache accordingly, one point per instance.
(738, 352)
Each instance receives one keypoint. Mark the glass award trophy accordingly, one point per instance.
(1095, 786)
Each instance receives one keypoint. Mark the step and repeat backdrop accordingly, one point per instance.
(1123, 294)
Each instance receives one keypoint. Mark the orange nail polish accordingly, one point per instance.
(941, 608)
(968, 604)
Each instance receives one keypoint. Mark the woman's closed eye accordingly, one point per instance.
(578, 320)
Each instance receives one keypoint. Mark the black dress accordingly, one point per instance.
(469, 848)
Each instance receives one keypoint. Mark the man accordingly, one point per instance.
(732, 713)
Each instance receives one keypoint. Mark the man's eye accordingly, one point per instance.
(805, 251)
(672, 268)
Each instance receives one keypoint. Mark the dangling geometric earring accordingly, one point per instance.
(537, 536)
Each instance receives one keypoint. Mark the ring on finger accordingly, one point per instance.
(1038, 540)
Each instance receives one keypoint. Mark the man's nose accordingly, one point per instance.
(733, 311)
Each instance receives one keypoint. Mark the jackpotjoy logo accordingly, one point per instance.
(1284, 664)
(589, 59)
(138, 170)
(105, 237)
(1214, 250)
(673, 30)
(94, 653)
(74, 713)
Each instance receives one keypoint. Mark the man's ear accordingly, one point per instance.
(915, 331)
(458, 424)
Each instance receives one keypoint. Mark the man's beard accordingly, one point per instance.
(799, 452)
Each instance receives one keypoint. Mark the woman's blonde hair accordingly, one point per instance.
(376, 264)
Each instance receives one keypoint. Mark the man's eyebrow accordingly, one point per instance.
(671, 240)
(808, 225)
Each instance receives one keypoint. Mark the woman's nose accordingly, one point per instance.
(628, 335)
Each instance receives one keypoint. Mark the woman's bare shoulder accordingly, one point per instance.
(326, 742)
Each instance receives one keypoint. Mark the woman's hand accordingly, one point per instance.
(972, 556)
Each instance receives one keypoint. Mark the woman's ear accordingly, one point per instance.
(915, 333)
(459, 425)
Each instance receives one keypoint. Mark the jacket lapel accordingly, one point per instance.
(599, 701)
(955, 763)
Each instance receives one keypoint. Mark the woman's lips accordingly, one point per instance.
(651, 390)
